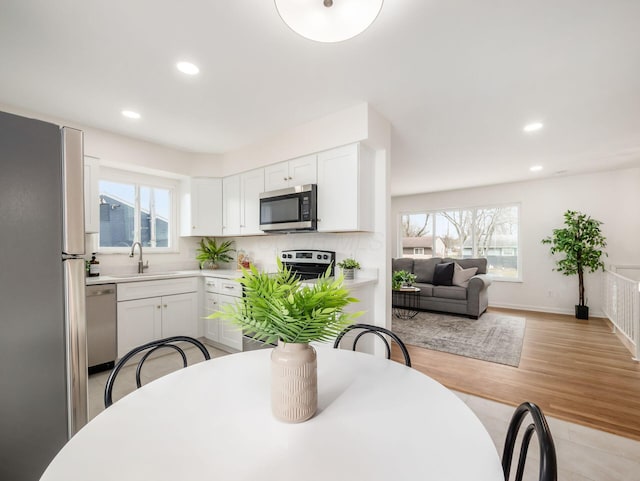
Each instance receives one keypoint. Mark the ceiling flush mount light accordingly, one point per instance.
(328, 20)
(533, 127)
(188, 68)
(535, 168)
(130, 114)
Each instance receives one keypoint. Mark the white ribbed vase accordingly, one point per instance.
(294, 382)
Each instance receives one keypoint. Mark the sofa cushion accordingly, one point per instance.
(443, 275)
(450, 292)
(426, 290)
(402, 264)
(479, 262)
(461, 276)
(424, 269)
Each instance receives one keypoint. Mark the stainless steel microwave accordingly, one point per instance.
(289, 210)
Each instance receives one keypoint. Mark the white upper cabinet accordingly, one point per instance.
(241, 203)
(294, 172)
(91, 195)
(231, 205)
(345, 189)
(201, 207)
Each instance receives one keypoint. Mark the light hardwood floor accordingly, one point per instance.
(574, 370)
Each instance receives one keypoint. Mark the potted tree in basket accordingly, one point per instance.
(210, 253)
(581, 242)
(278, 307)
(348, 266)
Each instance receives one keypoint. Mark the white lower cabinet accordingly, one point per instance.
(150, 318)
(218, 292)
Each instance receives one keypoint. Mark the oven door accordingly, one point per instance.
(251, 344)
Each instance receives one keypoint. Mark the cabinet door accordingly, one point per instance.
(91, 195)
(276, 176)
(139, 322)
(180, 315)
(252, 187)
(211, 325)
(231, 205)
(338, 189)
(230, 334)
(205, 207)
(303, 170)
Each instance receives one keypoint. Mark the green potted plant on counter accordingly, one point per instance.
(210, 252)
(279, 307)
(581, 242)
(348, 266)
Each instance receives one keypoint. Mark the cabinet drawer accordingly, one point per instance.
(230, 288)
(141, 290)
(212, 284)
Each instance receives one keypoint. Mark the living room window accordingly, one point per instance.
(490, 232)
(136, 208)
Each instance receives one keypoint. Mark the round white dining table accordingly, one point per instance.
(376, 420)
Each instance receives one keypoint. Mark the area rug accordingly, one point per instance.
(494, 337)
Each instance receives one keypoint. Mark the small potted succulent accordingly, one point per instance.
(401, 279)
(210, 253)
(348, 266)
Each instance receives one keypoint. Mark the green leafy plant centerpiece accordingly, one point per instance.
(581, 242)
(402, 279)
(348, 266)
(210, 252)
(279, 307)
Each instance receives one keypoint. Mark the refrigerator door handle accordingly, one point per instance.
(76, 338)
(72, 191)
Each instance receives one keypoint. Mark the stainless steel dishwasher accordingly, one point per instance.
(101, 326)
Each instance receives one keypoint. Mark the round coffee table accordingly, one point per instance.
(405, 302)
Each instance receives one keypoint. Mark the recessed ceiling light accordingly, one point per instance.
(130, 114)
(533, 126)
(535, 168)
(188, 68)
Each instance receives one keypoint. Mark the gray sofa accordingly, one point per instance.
(470, 301)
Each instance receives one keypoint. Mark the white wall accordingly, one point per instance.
(344, 127)
(611, 197)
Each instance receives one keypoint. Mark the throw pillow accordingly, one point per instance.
(443, 275)
(461, 276)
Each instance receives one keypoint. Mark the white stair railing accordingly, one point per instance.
(622, 307)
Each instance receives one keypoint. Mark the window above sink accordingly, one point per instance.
(137, 208)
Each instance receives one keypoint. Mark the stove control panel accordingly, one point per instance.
(308, 257)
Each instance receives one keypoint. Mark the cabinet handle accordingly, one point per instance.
(318, 220)
(229, 287)
(193, 227)
(290, 178)
(285, 178)
(165, 306)
(158, 306)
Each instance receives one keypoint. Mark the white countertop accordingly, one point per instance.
(359, 281)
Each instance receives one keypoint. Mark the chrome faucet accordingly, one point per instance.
(141, 265)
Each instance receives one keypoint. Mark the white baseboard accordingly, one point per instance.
(552, 310)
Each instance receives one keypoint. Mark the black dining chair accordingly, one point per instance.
(150, 347)
(378, 331)
(548, 462)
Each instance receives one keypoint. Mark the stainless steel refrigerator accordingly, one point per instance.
(43, 354)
